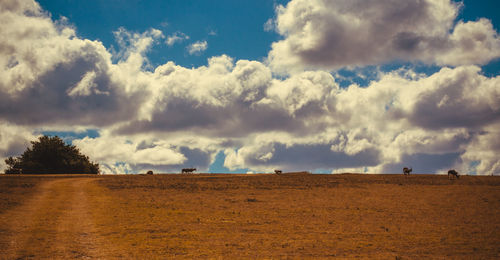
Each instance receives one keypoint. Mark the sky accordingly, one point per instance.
(252, 86)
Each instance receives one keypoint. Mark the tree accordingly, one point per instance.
(50, 155)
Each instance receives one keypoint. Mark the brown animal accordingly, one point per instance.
(407, 171)
(188, 170)
(452, 173)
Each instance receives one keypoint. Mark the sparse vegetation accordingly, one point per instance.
(268, 216)
(14, 190)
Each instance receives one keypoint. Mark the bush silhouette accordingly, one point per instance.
(50, 155)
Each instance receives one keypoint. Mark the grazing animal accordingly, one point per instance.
(188, 170)
(452, 173)
(150, 173)
(278, 172)
(406, 170)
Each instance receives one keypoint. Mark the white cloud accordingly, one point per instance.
(384, 125)
(86, 86)
(13, 140)
(207, 99)
(269, 25)
(167, 117)
(305, 93)
(471, 43)
(334, 34)
(109, 150)
(65, 79)
(161, 152)
(197, 47)
(484, 151)
(176, 38)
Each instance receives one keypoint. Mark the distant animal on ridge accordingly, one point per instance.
(278, 172)
(188, 170)
(452, 173)
(407, 171)
(150, 173)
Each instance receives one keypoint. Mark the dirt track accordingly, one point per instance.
(54, 224)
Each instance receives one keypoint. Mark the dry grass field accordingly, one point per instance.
(250, 216)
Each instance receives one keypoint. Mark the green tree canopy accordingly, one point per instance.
(50, 155)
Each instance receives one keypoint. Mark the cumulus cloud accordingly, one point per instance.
(471, 43)
(297, 157)
(482, 151)
(110, 150)
(13, 140)
(386, 126)
(142, 152)
(334, 34)
(219, 99)
(14, 143)
(169, 117)
(50, 76)
(197, 47)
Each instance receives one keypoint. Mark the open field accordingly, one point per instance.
(250, 216)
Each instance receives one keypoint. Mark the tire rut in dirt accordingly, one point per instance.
(53, 224)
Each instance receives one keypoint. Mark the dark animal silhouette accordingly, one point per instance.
(452, 173)
(407, 171)
(278, 172)
(188, 170)
(150, 172)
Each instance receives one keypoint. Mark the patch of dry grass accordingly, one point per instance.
(16, 189)
(251, 216)
(264, 216)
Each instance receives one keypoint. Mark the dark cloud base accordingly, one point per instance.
(424, 163)
(310, 157)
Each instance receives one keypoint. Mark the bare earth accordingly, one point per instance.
(261, 216)
(56, 223)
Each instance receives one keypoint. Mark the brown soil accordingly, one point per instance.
(56, 223)
(260, 216)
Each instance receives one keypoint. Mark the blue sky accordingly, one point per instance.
(295, 85)
(237, 25)
(234, 28)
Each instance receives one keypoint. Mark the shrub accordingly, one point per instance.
(50, 155)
